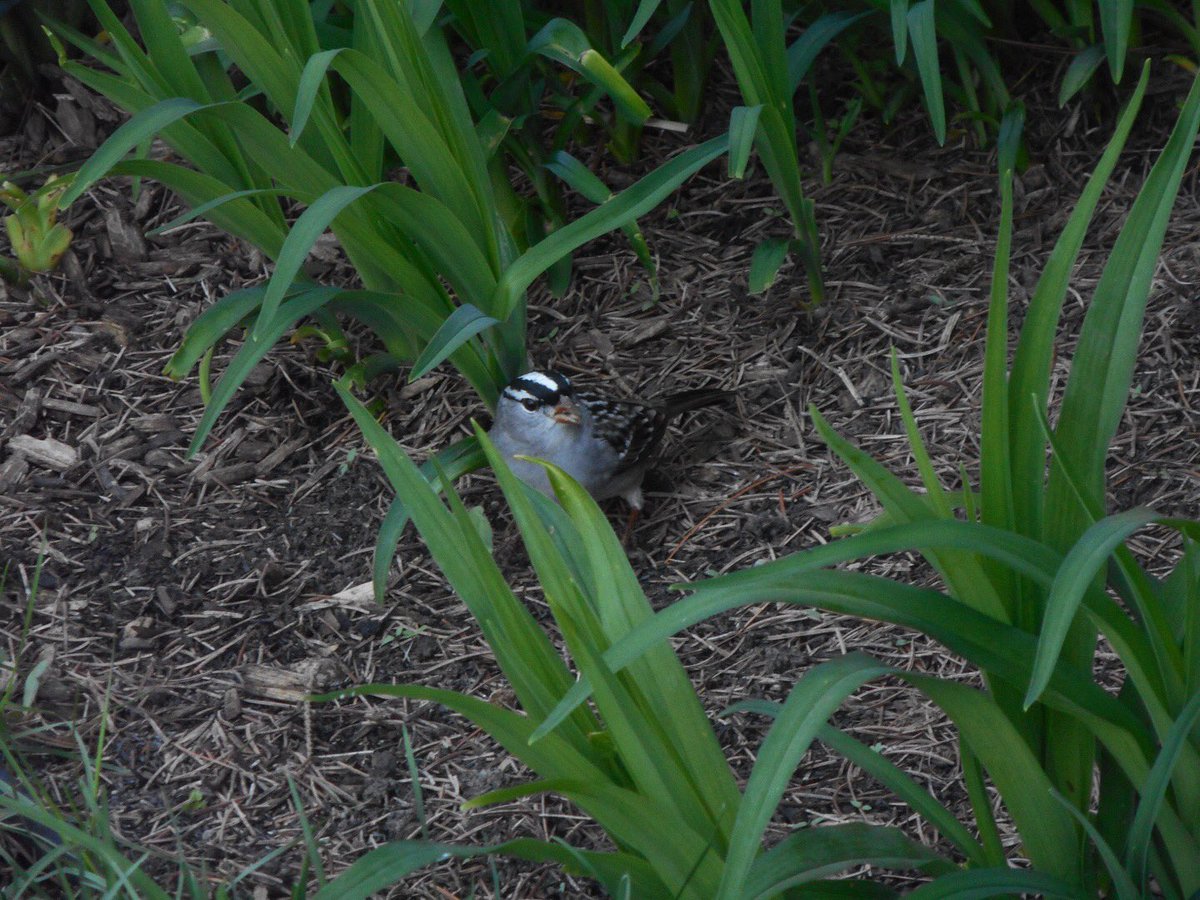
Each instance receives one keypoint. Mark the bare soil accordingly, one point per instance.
(186, 606)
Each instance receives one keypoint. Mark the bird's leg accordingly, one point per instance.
(634, 512)
(635, 500)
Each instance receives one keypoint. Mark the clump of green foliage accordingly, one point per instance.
(1031, 561)
(37, 238)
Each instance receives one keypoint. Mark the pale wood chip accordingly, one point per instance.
(47, 452)
(291, 684)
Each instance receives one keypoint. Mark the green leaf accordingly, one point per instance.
(32, 681)
(310, 226)
(239, 217)
(454, 461)
(385, 866)
(268, 51)
(524, 652)
(762, 66)
(813, 853)
(382, 867)
(764, 265)
(104, 851)
(811, 702)
(579, 177)
(418, 117)
(1079, 73)
(802, 53)
(492, 129)
(209, 147)
(886, 773)
(1002, 650)
(1008, 143)
(976, 11)
(575, 174)
(1030, 371)
(258, 343)
(1179, 23)
(1153, 795)
(209, 205)
(557, 759)
(743, 125)
(1102, 368)
(981, 805)
(625, 207)
(425, 14)
(565, 43)
(1122, 883)
(923, 30)
(748, 58)
(1089, 556)
(641, 16)
(311, 80)
(667, 722)
(965, 575)
(996, 486)
(421, 216)
(899, 15)
(142, 126)
(906, 788)
(405, 322)
(1026, 556)
(1116, 21)
(929, 477)
(210, 326)
(684, 34)
(976, 884)
(662, 738)
(1047, 831)
(462, 325)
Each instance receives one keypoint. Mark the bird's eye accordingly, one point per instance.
(530, 403)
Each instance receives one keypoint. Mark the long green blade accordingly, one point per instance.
(808, 706)
(1153, 795)
(815, 853)
(1030, 374)
(1088, 557)
(630, 204)
(257, 345)
(1102, 368)
(454, 461)
(1047, 830)
(1024, 555)
(923, 31)
(977, 884)
(385, 866)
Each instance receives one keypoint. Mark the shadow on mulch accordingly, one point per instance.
(194, 603)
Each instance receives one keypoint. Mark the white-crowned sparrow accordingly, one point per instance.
(606, 445)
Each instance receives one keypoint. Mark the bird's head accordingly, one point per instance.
(538, 400)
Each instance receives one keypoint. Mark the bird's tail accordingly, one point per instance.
(678, 404)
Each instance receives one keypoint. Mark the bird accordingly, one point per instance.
(605, 444)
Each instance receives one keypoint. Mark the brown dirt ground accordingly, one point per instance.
(176, 592)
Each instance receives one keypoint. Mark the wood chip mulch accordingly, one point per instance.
(187, 606)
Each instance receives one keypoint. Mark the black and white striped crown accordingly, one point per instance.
(544, 387)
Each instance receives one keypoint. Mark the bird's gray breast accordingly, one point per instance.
(588, 459)
(512, 445)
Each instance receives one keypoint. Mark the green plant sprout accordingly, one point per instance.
(38, 239)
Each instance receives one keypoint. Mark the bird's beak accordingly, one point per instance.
(567, 413)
